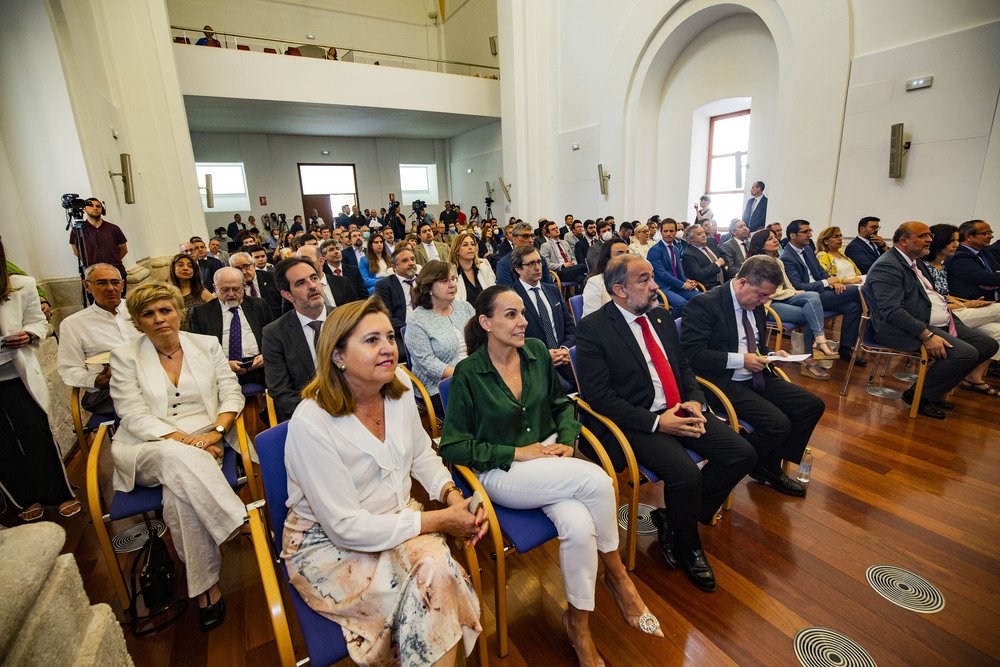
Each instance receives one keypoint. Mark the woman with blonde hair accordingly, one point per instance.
(836, 263)
(474, 274)
(360, 550)
(177, 398)
(376, 263)
(640, 242)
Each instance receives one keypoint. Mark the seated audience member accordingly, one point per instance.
(595, 294)
(355, 250)
(805, 273)
(545, 309)
(797, 307)
(867, 246)
(207, 266)
(376, 263)
(435, 339)
(297, 225)
(428, 248)
(474, 274)
(237, 321)
(259, 256)
(509, 420)
(723, 335)
(396, 291)
(735, 248)
(522, 235)
(289, 343)
(572, 231)
(631, 369)
(604, 234)
(32, 474)
(326, 277)
(209, 38)
(360, 550)
(700, 263)
(833, 261)
(559, 255)
(665, 257)
(907, 313)
(586, 242)
(331, 53)
(177, 399)
(216, 252)
(624, 232)
(345, 281)
(186, 277)
(701, 210)
(978, 314)
(973, 272)
(259, 284)
(304, 239)
(641, 243)
(97, 329)
(713, 237)
(274, 239)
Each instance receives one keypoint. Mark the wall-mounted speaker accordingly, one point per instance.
(209, 192)
(604, 177)
(503, 186)
(896, 150)
(493, 44)
(126, 174)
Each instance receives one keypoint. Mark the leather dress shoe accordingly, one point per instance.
(211, 616)
(780, 481)
(927, 408)
(845, 355)
(695, 565)
(666, 538)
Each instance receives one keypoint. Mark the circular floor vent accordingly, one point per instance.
(132, 538)
(643, 523)
(820, 647)
(903, 588)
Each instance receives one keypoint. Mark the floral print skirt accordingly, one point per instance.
(404, 606)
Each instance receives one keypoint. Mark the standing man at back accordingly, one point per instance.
(101, 241)
(755, 212)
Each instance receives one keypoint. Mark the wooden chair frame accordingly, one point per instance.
(77, 410)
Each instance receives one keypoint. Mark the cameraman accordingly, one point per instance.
(99, 241)
(396, 221)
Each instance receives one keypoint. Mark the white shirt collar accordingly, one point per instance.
(304, 321)
(527, 287)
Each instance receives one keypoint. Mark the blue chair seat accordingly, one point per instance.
(526, 529)
(253, 388)
(96, 420)
(324, 639)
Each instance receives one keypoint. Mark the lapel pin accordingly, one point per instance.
(659, 321)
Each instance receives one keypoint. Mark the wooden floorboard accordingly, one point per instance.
(919, 494)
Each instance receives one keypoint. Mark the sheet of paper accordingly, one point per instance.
(797, 358)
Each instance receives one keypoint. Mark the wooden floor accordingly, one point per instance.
(919, 494)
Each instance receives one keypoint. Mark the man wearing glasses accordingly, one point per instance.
(258, 284)
(97, 329)
(867, 246)
(523, 235)
(972, 273)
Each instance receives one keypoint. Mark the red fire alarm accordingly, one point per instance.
(263, 201)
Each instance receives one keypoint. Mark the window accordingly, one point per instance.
(725, 183)
(229, 186)
(418, 181)
(338, 181)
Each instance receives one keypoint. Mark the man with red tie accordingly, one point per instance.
(668, 269)
(631, 369)
(560, 255)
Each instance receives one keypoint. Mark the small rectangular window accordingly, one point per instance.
(229, 186)
(418, 181)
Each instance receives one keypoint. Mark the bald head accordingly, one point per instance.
(913, 239)
(313, 254)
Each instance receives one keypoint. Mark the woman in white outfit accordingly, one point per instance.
(177, 399)
(594, 294)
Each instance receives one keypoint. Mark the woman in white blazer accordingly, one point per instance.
(31, 470)
(474, 274)
(177, 399)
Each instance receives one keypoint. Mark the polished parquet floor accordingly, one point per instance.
(919, 494)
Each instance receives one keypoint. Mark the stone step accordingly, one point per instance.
(28, 554)
(104, 643)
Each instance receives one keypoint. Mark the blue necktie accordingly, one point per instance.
(235, 336)
(543, 315)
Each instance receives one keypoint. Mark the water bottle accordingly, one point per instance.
(805, 467)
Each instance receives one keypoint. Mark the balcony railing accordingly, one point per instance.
(236, 41)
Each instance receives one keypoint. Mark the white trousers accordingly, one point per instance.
(986, 319)
(579, 498)
(199, 507)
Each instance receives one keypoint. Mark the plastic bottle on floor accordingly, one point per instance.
(805, 467)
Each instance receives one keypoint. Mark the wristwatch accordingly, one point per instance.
(221, 430)
(924, 339)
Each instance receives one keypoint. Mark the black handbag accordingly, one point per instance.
(153, 580)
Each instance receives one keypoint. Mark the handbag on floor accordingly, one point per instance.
(153, 580)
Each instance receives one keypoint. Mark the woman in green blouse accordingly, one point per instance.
(510, 421)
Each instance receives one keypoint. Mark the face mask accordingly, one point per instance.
(606, 236)
(366, 235)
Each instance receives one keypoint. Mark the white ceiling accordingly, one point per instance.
(217, 114)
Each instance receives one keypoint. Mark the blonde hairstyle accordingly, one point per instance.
(144, 295)
(453, 255)
(330, 388)
(824, 235)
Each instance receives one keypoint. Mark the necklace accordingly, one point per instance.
(381, 408)
(171, 355)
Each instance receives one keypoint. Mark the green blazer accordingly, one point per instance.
(484, 423)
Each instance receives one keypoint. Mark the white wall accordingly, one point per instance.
(886, 24)
(467, 28)
(948, 124)
(271, 164)
(480, 150)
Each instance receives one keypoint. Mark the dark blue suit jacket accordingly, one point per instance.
(862, 254)
(562, 323)
(663, 268)
(795, 269)
(759, 217)
(966, 272)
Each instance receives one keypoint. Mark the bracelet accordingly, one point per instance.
(448, 491)
(926, 338)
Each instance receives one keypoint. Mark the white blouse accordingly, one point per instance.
(594, 294)
(356, 487)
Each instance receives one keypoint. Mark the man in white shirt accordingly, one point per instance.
(99, 328)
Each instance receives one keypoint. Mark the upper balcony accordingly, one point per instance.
(256, 84)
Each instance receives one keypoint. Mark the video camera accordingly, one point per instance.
(74, 206)
(419, 205)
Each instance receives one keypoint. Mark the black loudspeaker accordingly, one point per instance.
(896, 151)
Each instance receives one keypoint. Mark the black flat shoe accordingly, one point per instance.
(666, 538)
(927, 407)
(846, 356)
(211, 616)
(696, 567)
(780, 481)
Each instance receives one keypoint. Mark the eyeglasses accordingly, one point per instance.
(525, 235)
(228, 290)
(533, 264)
(242, 266)
(104, 283)
(448, 281)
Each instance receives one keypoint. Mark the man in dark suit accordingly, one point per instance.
(344, 219)
(345, 281)
(234, 312)
(355, 250)
(805, 273)
(631, 369)
(736, 247)
(867, 246)
(723, 335)
(235, 227)
(289, 343)
(560, 256)
(700, 262)
(588, 240)
(259, 284)
(755, 212)
(604, 233)
(523, 235)
(396, 292)
(972, 270)
(665, 256)
(545, 310)
(908, 313)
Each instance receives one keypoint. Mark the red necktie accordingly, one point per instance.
(667, 380)
(336, 272)
(565, 259)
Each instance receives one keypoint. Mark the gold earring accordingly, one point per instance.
(342, 367)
